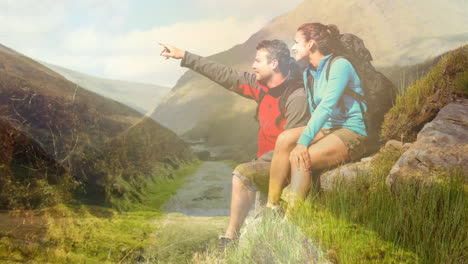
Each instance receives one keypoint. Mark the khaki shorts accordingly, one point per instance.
(256, 174)
(356, 143)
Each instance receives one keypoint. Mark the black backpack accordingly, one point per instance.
(379, 91)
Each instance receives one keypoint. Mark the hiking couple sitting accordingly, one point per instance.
(309, 120)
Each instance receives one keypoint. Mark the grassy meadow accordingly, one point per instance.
(364, 223)
(82, 232)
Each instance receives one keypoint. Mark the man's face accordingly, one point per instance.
(263, 70)
(301, 47)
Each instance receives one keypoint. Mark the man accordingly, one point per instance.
(282, 104)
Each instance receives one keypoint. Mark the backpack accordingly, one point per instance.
(379, 91)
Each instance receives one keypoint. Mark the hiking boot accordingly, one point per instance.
(224, 243)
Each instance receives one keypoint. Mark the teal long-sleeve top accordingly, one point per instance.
(324, 108)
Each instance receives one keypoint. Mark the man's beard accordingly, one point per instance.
(261, 80)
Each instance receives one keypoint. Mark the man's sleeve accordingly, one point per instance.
(297, 111)
(243, 83)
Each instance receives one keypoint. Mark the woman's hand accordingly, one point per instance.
(171, 52)
(299, 157)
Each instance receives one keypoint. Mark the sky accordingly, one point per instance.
(117, 39)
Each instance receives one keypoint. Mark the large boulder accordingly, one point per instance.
(345, 174)
(441, 146)
(351, 172)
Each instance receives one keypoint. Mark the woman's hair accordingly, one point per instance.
(326, 36)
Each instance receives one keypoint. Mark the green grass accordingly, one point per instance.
(79, 233)
(366, 223)
(159, 191)
(345, 241)
(181, 237)
(461, 82)
(419, 225)
(404, 76)
(422, 100)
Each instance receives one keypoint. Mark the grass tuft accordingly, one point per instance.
(422, 100)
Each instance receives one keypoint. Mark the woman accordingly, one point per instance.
(336, 132)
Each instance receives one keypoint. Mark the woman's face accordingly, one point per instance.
(301, 48)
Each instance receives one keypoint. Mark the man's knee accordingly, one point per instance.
(241, 169)
(242, 176)
(254, 175)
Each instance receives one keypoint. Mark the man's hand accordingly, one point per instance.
(171, 52)
(299, 157)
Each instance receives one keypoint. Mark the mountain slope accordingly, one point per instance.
(77, 129)
(27, 172)
(139, 96)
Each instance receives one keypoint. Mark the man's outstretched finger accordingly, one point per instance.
(162, 44)
(166, 50)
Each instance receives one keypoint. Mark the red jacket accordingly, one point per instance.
(296, 113)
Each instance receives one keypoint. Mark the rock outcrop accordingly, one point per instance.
(345, 174)
(350, 172)
(441, 145)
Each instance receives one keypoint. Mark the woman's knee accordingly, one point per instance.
(286, 141)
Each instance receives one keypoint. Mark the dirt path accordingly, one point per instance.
(194, 217)
(206, 193)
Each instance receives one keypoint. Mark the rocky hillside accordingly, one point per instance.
(396, 32)
(139, 96)
(75, 130)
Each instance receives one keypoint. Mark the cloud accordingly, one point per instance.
(88, 36)
(135, 55)
(29, 17)
(262, 7)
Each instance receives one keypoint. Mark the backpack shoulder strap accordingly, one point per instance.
(332, 60)
(350, 92)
